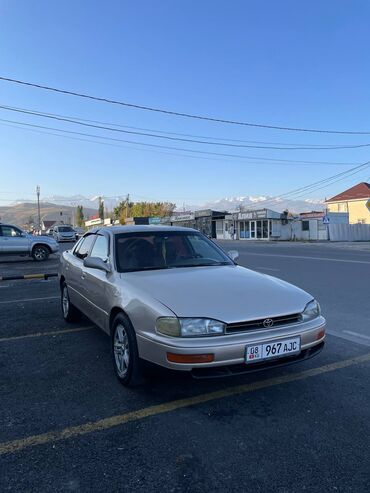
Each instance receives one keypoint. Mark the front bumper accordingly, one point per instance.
(228, 350)
(66, 238)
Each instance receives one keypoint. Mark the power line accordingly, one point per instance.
(167, 137)
(43, 113)
(176, 113)
(318, 185)
(237, 156)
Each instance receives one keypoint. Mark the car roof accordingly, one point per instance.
(140, 229)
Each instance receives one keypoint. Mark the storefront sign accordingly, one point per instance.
(182, 217)
(253, 215)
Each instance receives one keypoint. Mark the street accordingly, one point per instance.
(68, 425)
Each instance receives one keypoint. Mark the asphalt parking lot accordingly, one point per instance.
(66, 424)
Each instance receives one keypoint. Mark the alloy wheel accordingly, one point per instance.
(65, 302)
(39, 253)
(121, 350)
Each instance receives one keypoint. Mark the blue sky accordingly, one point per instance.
(299, 64)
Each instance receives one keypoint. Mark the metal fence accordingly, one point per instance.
(349, 232)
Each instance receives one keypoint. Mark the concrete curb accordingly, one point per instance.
(28, 276)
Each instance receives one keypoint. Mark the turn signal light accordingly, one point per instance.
(190, 358)
(320, 335)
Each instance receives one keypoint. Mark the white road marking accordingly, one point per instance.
(30, 299)
(266, 268)
(349, 337)
(356, 334)
(326, 259)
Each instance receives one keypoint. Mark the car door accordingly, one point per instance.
(95, 282)
(74, 275)
(13, 240)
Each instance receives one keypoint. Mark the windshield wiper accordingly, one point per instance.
(138, 269)
(201, 265)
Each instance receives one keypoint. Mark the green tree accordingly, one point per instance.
(142, 209)
(101, 208)
(80, 216)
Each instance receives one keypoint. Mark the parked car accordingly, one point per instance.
(79, 232)
(14, 241)
(64, 233)
(172, 297)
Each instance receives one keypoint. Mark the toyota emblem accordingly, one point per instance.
(268, 322)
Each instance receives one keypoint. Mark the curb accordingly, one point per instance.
(27, 276)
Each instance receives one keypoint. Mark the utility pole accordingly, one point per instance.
(127, 203)
(38, 208)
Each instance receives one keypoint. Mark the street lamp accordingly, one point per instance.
(38, 208)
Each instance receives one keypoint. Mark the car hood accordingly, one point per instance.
(226, 293)
(42, 239)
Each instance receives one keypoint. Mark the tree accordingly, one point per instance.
(80, 216)
(101, 208)
(142, 209)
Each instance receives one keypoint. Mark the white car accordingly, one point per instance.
(172, 297)
(64, 233)
(14, 241)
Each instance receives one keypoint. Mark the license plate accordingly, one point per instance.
(273, 349)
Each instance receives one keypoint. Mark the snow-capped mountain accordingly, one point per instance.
(87, 202)
(224, 204)
(261, 202)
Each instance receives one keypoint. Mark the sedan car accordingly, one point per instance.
(172, 297)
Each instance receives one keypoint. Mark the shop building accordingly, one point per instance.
(204, 221)
(262, 224)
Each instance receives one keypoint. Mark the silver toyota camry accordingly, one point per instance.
(172, 297)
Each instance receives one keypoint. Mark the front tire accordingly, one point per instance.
(127, 365)
(40, 253)
(70, 312)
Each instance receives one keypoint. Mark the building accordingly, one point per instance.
(203, 220)
(355, 201)
(50, 220)
(97, 222)
(313, 226)
(262, 224)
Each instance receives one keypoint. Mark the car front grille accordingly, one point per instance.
(259, 324)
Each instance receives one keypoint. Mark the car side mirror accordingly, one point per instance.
(97, 263)
(233, 254)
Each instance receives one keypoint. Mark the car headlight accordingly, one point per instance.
(311, 311)
(189, 327)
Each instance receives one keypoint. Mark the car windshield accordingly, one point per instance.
(65, 229)
(166, 250)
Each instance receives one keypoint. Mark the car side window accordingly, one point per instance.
(10, 231)
(83, 249)
(100, 248)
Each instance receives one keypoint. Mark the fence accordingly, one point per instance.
(349, 232)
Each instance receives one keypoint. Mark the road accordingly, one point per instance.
(66, 424)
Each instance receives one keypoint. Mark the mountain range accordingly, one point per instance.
(20, 212)
(261, 202)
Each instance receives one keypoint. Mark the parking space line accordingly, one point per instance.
(304, 257)
(42, 334)
(356, 334)
(117, 420)
(30, 299)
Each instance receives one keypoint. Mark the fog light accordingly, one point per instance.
(190, 358)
